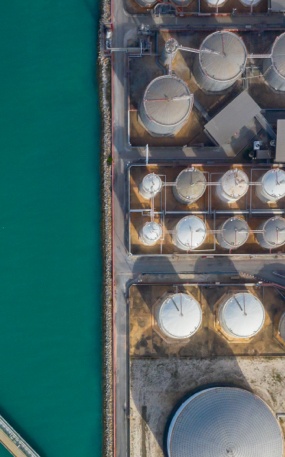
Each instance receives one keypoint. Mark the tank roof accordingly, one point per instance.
(278, 55)
(151, 183)
(190, 184)
(152, 231)
(274, 231)
(282, 327)
(242, 315)
(215, 2)
(224, 421)
(167, 100)
(234, 183)
(228, 59)
(191, 232)
(273, 182)
(249, 2)
(235, 232)
(179, 316)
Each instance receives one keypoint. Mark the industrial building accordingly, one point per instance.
(224, 421)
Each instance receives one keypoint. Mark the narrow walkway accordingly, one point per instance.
(12, 441)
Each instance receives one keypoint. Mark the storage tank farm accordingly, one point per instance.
(189, 186)
(241, 316)
(150, 233)
(272, 186)
(179, 316)
(224, 421)
(150, 186)
(232, 186)
(220, 62)
(274, 67)
(189, 233)
(271, 233)
(233, 233)
(166, 106)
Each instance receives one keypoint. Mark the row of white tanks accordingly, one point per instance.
(167, 102)
(240, 315)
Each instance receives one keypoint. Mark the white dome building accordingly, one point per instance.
(233, 185)
(190, 233)
(273, 233)
(150, 233)
(150, 186)
(190, 185)
(233, 233)
(179, 316)
(272, 186)
(242, 315)
(224, 422)
(281, 328)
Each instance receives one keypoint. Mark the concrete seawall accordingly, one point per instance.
(12, 441)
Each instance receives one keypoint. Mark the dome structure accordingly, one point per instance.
(233, 185)
(242, 315)
(150, 233)
(274, 67)
(166, 106)
(233, 233)
(179, 316)
(221, 61)
(272, 186)
(272, 234)
(190, 233)
(281, 328)
(224, 422)
(150, 186)
(190, 185)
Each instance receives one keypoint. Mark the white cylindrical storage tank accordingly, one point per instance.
(281, 327)
(273, 233)
(166, 106)
(150, 233)
(272, 186)
(242, 315)
(274, 68)
(221, 61)
(150, 186)
(250, 3)
(190, 233)
(190, 185)
(233, 233)
(169, 52)
(179, 316)
(232, 186)
(215, 3)
(224, 422)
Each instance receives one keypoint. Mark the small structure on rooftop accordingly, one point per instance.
(272, 186)
(233, 185)
(189, 233)
(166, 106)
(241, 316)
(150, 186)
(272, 233)
(190, 185)
(274, 67)
(233, 233)
(150, 233)
(178, 316)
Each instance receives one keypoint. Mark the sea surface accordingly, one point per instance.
(50, 259)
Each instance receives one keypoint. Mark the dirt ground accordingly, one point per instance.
(157, 386)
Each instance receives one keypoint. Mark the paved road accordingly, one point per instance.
(127, 268)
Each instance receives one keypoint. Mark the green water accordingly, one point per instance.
(50, 265)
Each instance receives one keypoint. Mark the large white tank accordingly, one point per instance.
(242, 315)
(150, 186)
(272, 186)
(190, 185)
(150, 233)
(179, 316)
(273, 233)
(233, 233)
(233, 185)
(221, 61)
(281, 327)
(190, 233)
(166, 106)
(274, 68)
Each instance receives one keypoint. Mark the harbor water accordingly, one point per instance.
(50, 263)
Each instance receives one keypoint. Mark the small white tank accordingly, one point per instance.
(190, 185)
(281, 327)
(273, 233)
(150, 233)
(272, 186)
(150, 186)
(190, 233)
(242, 315)
(234, 233)
(179, 316)
(169, 52)
(233, 185)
